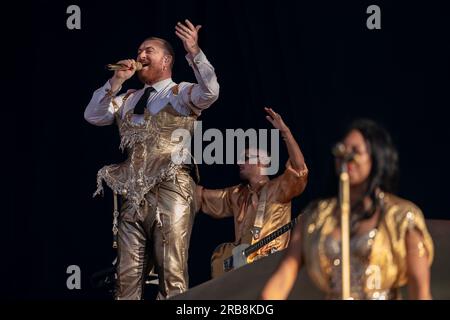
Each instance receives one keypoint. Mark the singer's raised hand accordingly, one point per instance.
(120, 76)
(128, 71)
(188, 33)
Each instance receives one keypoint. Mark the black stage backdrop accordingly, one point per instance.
(315, 62)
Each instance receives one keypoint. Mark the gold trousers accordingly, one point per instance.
(157, 236)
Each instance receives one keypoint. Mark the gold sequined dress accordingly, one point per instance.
(378, 257)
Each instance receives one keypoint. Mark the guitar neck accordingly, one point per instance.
(261, 243)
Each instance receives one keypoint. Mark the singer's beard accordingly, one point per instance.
(149, 75)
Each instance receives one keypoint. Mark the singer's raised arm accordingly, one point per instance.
(100, 110)
(201, 95)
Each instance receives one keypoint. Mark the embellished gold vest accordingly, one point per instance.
(150, 148)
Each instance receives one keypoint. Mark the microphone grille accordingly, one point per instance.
(338, 150)
(139, 66)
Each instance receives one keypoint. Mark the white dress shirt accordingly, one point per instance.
(100, 110)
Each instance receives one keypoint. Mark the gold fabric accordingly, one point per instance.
(384, 269)
(158, 239)
(156, 218)
(149, 148)
(241, 203)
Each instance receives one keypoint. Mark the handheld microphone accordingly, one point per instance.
(339, 151)
(119, 66)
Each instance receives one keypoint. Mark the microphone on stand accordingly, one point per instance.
(339, 151)
(119, 66)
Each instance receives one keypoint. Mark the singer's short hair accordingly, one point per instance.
(167, 47)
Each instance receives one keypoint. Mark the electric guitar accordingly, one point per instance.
(230, 256)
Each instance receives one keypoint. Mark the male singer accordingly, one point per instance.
(155, 222)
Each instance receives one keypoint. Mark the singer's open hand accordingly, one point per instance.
(188, 33)
(276, 120)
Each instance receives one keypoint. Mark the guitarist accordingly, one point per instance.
(257, 193)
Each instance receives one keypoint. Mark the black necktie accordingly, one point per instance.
(142, 103)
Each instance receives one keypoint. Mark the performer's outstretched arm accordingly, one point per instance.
(215, 203)
(293, 181)
(206, 91)
(297, 161)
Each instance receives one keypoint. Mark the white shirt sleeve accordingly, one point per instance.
(100, 110)
(206, 91)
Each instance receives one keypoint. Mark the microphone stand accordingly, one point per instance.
(344, 202)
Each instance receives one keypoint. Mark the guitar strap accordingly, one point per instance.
(259, 219)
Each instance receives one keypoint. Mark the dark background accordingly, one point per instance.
(314, 62)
